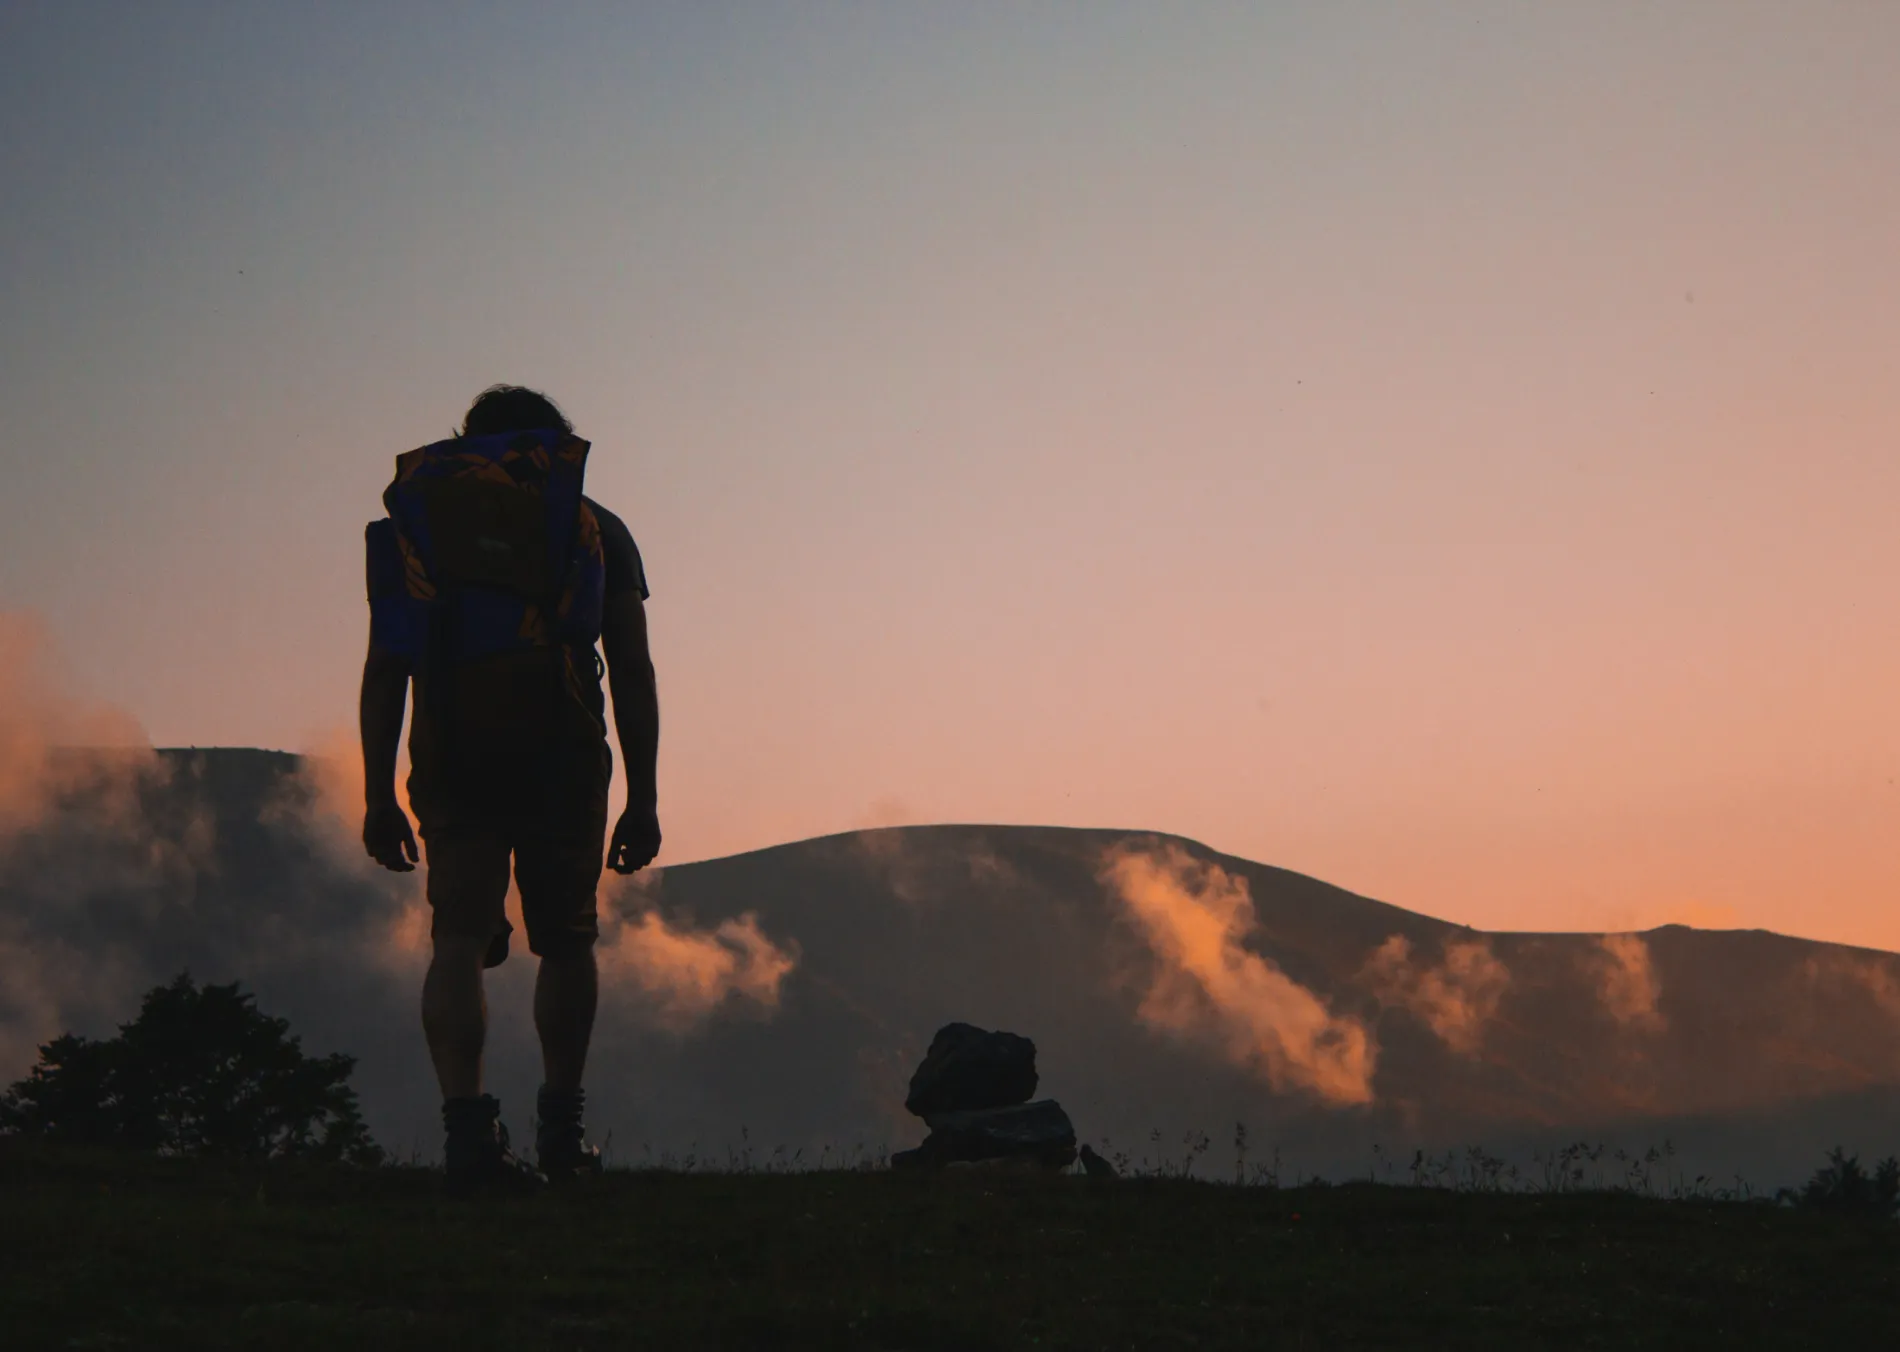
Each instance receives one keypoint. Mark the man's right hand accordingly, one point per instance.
(388, 837)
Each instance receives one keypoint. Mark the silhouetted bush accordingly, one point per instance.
(200, 1072)
(1843, 1185)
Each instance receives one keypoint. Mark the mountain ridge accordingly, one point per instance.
(790, 990)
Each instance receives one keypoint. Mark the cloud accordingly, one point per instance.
(1456, 998)
(322, 798)
(919, 875)
(55, 748)
(41, 979)
(685, 974)
(1195, 918)
(121, 865)
(80, 823)
(1877, 977)
(1627, 983)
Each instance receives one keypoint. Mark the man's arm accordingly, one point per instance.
(386, 832)
(623, 639)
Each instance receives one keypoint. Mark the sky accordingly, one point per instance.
(1448, 450)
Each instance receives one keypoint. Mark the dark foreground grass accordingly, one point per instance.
(106, 1251)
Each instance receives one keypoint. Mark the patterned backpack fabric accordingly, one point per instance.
(488, 549)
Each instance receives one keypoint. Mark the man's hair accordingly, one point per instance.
(511, 408)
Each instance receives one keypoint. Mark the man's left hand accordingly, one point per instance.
(388, 838)
(636, 840)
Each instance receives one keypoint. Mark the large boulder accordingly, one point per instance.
(1036, 1133)
(968, 1068)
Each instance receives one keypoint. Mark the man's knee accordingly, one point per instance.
(468, 887)
(458, 950)
(567, 946)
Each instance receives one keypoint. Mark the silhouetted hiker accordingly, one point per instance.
(489, 582)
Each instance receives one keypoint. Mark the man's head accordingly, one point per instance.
(510, 408)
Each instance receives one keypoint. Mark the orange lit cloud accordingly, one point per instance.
(78, 771)
(1627, 982)
(327, 795)
(1457, 997)
(53, 746)
(685, 974)
(1195, 918)
(330, 782)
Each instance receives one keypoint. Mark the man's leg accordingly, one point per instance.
(566, 992)
(468, 890)
(558, 880)
(455, 1014)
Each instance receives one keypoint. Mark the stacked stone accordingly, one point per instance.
(973, 1092)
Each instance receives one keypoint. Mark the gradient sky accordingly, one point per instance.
(1446, 449)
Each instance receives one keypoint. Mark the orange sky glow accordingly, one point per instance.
(1446, 450)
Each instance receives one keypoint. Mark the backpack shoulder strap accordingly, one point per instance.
(396, 624)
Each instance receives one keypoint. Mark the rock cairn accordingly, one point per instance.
(973, 1092)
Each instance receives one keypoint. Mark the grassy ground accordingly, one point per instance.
(109, 1252)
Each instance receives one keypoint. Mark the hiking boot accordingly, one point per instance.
(561, 1141)
(477, 1157)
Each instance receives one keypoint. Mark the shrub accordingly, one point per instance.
(1843, 1185)
(200, 1072)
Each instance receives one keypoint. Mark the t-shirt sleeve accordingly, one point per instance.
(383, 560)
(626, 572)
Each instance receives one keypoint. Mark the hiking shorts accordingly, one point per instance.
(557, 875)
(500, 773)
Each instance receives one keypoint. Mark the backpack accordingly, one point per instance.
(488, 574)
(488, 549)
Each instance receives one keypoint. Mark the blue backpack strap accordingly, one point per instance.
(583, 598)
(577, 556)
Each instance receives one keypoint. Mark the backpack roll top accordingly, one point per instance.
(488, 548)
